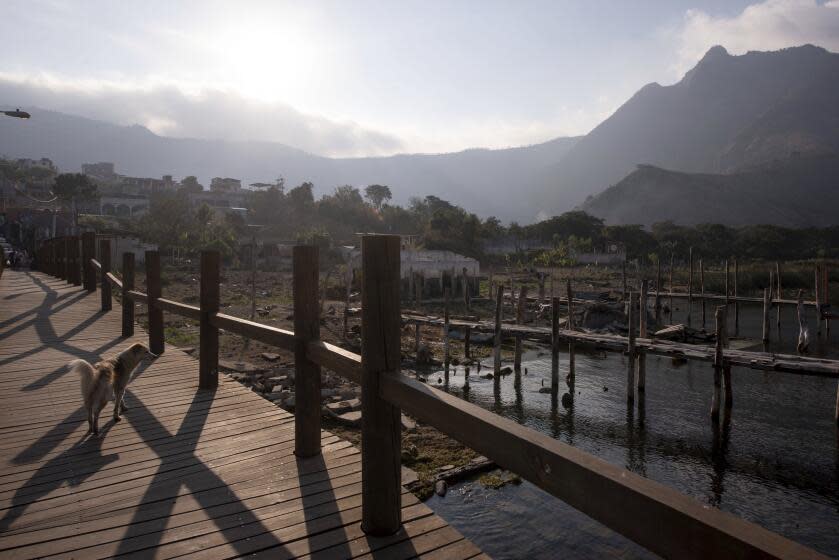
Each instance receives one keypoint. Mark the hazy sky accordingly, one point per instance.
(356, 77)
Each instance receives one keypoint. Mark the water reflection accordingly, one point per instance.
(776, 463)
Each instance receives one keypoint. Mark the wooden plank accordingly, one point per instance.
(251, 329)
(178, 308)
(335, 358)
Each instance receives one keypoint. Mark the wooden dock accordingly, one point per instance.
(203, 473)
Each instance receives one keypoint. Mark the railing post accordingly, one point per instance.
(88, 252)
(75, 271)
(208, 345)
(153, 288)
(105, 261)
(307, 373)
(127, 302)
(380, 355)
(65, 259)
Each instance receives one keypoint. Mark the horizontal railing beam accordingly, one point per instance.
(269, 335)
(114, 280)
(657, 517)
(138, 297)
(178, 308)
(96, 264)
(334, 358)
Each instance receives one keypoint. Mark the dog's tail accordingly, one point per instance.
(86, 372)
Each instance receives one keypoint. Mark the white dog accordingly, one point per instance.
(107, 380)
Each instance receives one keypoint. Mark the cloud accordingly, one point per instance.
(169, 110)
(770, 25)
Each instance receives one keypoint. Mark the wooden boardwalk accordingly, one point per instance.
(207, 474)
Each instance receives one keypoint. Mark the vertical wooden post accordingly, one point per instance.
(306, 329)
(719, 318)
(623, 276)
(570, 326)
(380, 356)
(671, 288)
(496, 341)
(630, 370)
(818, 303)
(348, 291)
(779, 295)
(736, 301)
(826, 297)
(658, 292)
(105, 261)
(88, 252)
(554, 344)
(519, 320)
(127, 301)
(446, 345)
(467, 296)
(727, 276)
(411, 290)
(690, 284)
(154, 289)
(68, 259)
(416, 338)
(766, 305)
(209, 301)
(702, 290)
(642, 332)
(541, 288)
(77, 258)
(467, 342)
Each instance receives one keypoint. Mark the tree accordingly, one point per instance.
(190, 185)
(169, 221)
(74, 188)
(377, 195)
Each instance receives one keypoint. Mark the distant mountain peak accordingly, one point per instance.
(716, 51)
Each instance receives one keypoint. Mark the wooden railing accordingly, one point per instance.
(655, 516)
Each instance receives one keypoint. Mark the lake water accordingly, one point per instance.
(777, 465)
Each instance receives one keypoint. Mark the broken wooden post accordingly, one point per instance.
(381, 429)
(446, 348)
(658, 291)
(719, 318)
(127, 301)
(153, 288)
(702, 290)
(690, 285)
(105, 261)
(570, 326)
(307, 374)
(208, 334)
(642, 333)
(89, 252)
(630, 370)
(519, 320)
(496, 341)
(766, 305)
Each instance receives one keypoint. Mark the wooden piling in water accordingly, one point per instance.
(690, 285)
(467, 343)
(736, 301)
(671, 289)
(719, 318)
(467, 296)
(702, 290)
(519, 320)
(766, 304)
(642, 333)
(446, 345)
(554, 345)
(570, 326)
(658, 292)
(496, 341)
(631, 353)
(778, 293)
